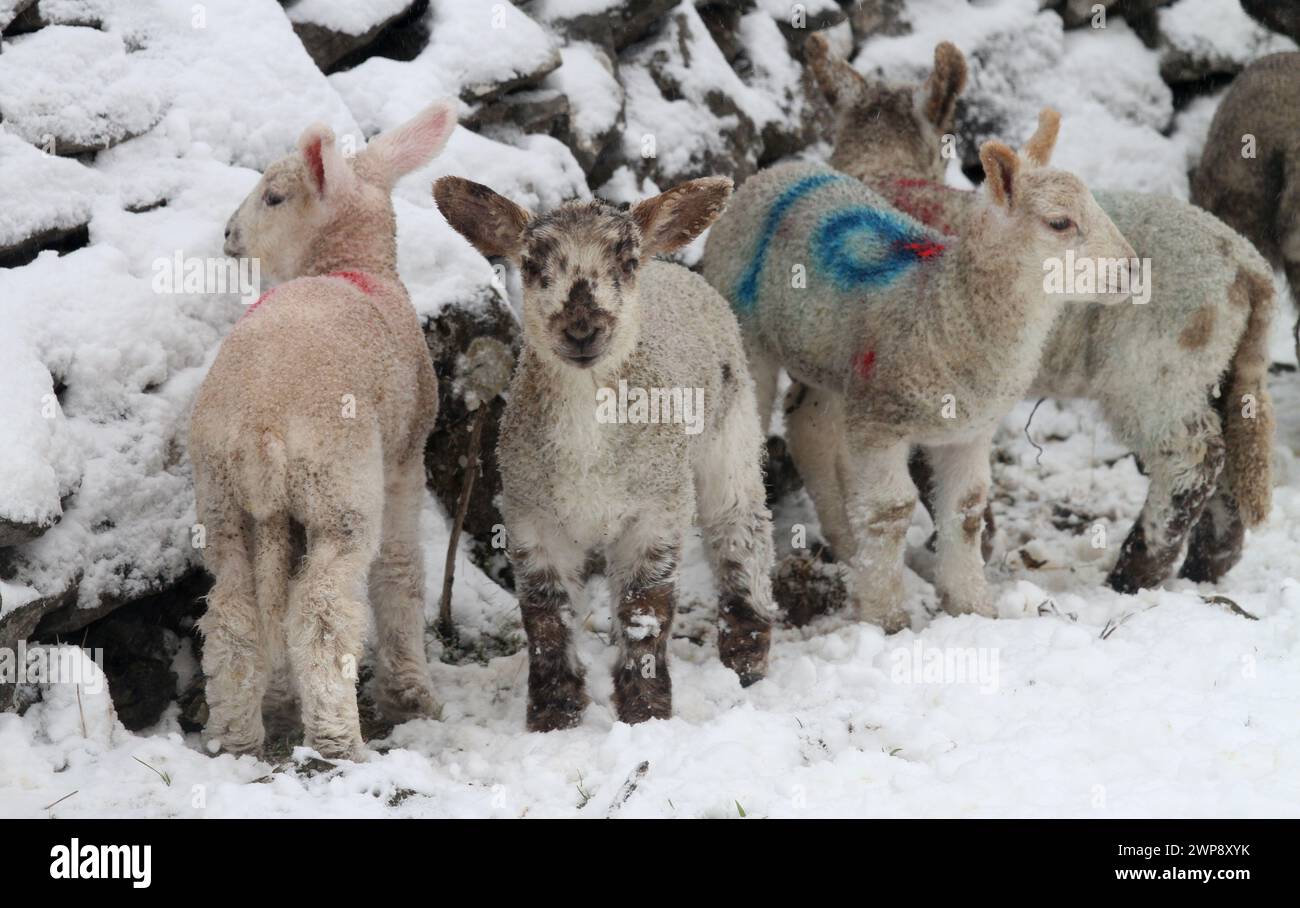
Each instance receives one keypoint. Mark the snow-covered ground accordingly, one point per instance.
(1075, 701)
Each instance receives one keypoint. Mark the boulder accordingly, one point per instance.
(334, 33)
(613, 25)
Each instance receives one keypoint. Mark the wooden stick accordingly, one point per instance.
(446, 628)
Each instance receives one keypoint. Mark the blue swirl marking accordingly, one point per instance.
(861, 247)
(747, 289)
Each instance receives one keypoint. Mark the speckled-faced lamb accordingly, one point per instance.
(1153, 368)
(631, 412)
(1249, 173)
(308, 433)
(930, 339)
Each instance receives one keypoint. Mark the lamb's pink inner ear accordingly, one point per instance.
(311, 152)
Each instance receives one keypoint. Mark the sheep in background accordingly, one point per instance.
(1153, 368)
(313, 419)
(1258, 193)
(597, 314)
(930, 339)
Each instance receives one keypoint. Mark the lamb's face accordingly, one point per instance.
(276, 220)
(579, 265)
(1057, 217)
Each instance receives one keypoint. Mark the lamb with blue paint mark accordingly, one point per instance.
(931, 338)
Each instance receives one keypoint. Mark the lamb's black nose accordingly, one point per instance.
(580, 335)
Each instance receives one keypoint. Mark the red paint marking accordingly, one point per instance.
(865, 364)
(925, 250)
(359, 279)
(260, 300)
(913, 182)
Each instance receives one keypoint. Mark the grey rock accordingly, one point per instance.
(449, 334)
(328, 48)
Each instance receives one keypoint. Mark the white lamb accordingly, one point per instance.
(311, 425)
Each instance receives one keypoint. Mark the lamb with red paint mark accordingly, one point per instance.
(324, 435)
(960, 321)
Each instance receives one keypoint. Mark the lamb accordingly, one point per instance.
(929, 339)
(1249, 173)
(308, 434)
(579, 480)
(1206, 326)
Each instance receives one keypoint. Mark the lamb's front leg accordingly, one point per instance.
(961, 490)
(643, 582)
(880, 501)
(546, 569)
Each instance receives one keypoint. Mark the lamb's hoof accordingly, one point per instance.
(891, 619)
(412, 702)
(248, 741)
(745, 653)
(340, 749)
(556, 715)
(981, 605)
(637, 699)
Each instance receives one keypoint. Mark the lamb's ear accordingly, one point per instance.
(491, 222)
(1038, 150)
(839, 81)
(672, 219)
(327, 172)
(1000, 168)
(397, 152)
(945, 83)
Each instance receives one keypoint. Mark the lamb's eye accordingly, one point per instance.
(271, 199)
(533, 272)
(1060, 225)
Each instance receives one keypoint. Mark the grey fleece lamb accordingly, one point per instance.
(591, 464)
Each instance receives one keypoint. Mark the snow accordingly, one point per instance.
(1233, 38)
(1076, 701)
(77, 85)
(594, 94)
(345, 15)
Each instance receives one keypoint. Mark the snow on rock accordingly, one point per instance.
(688, 113)
(587, 79)
(1191, 51)
(611, 24)
(42, 193)
(331, 30)
(71, 90)
(477, 50)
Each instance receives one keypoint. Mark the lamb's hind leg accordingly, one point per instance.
(234, 650)
(880, 500)
(397, 597)
(1183, 473)
(643, 585)
(547, 567)
(272, 564)
(738, 534)
(961, 488)
(814, 431)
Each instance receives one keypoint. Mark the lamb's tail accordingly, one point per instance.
(273, 541)
(1248, 409)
